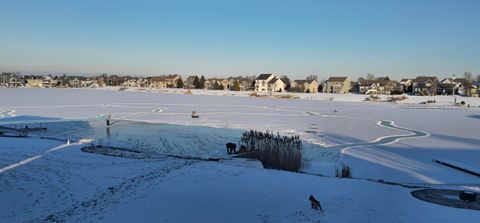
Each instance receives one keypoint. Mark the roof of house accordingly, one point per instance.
(275, 80)
(172, 76)
(240, 79)
(263, 76)
(157, 78)
(81, 78)
(303, 81)
(164, 78)
(383, 78)
(300, 81)
(425, 78)
(10, 75)
(464, 81)
(380, 82)
(447, 85)
(337, 79)
(424, 85)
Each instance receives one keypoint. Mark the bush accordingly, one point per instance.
(253, 94)
(287, 96)
(398, 98)
(274, 151)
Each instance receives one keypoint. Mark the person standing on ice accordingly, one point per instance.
(109, 117)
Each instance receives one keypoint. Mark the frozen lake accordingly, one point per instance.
(347, 132)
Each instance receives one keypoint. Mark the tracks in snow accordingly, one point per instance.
(386, 140)
(104, 201)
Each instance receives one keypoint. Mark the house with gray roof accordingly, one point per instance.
(337, 85)
(269, 83)
(425, 85)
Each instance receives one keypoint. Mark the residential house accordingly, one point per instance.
(382, 85)
(33, 81)
(460, 86)
(168, 81)
(92, 82)
(305, 86)
(475, 90)
(425, 85)
(261, 82)
(10, 80)
(189, 82)
(245, 83)
(217, 84)
(276, 85)
(269, 83)
(114, 80)
(337, 85)
(48, 81)
(448, 86)
(407, 85)
(130, 83)
(464, 87)
(142, 82)
(135, 82)
(62, 81)
(77, 81)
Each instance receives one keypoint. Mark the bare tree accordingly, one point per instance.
(478, 77)
(468, 76)
(312, 77)
(370, 76)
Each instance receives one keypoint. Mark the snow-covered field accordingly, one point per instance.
(395, 142)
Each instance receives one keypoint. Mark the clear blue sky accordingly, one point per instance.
(399, 38)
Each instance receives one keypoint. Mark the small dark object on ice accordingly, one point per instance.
(231, 148)
(315, 204)
(468, 196)
(194, 114)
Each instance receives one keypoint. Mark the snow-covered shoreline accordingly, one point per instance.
(70, 185)
(440, 100)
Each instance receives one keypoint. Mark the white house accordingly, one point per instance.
(338, 85)
(269, 83)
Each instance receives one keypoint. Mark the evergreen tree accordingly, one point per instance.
(236, 85)
(216, 86)
(196, 82)
(180, 83)
(202, 82)
(287, 82)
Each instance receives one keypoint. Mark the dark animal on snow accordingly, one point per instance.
(231, 148)
(315, 204)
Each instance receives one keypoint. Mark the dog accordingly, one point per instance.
(231, 148)
(315, 204)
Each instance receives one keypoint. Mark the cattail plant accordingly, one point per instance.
(273, 150)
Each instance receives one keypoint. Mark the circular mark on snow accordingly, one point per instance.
(444, 197)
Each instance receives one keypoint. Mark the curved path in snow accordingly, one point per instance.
(7, 113)
(385, 140)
